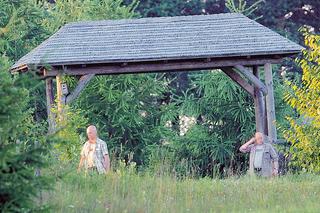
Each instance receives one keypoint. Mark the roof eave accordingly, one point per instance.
(26, 67)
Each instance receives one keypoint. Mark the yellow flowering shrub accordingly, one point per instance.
(304, 132)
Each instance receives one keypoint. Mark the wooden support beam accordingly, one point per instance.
(271, 116)
(259, 105)
(83, 81)
(149, 67)
(252, 78)
(60, 97)
(239, 80)
(50, 103)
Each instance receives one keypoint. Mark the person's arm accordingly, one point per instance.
(106, 157)
(275, 161)
(245, 147)
(82, 158)
(107, 162)
(80, 163)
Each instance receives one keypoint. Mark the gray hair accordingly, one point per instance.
(92, 127)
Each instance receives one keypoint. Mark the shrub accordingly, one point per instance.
(23, 145)
(304, 132)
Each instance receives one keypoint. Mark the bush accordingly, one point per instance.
(304, 132)
(23, 145)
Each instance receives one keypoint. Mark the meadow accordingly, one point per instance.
(125, 190)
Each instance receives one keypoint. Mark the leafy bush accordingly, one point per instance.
(304, 132)
(22, 148)
(71, 134)
(201, 152)
(126, 111)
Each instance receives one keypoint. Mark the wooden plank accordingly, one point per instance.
(239, 80)
(83, 81)
(256, 103)
(252, 78)
(271, 116)
(149, 67)
(259, 105)
(50, 103)
(60, 98)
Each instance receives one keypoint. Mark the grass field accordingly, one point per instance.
(127, 191)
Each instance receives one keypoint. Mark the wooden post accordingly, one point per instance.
(50, 103)
(259, 105)
(271, 116)
(60, 97)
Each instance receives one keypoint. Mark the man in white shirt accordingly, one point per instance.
(94, 153)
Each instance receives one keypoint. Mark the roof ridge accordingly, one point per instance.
(155, 19)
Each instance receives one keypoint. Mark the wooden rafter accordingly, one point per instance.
(160, 66)
(236, 77)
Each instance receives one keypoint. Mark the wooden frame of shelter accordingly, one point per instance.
(230, 42)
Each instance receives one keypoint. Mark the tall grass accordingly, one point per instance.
(125, 190)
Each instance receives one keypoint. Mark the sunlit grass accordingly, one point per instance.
(127, 191)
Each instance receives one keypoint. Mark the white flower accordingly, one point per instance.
(288, 15)
(307, 7)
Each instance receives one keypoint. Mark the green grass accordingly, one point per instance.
(127, 191)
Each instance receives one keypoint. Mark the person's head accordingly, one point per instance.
(92, 133)
(259, 138)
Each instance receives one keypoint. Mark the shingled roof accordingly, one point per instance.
(155, 39)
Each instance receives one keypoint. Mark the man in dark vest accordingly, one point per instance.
(263, 156)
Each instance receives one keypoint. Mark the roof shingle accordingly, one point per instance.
(162, 38)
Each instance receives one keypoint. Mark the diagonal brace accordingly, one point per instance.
(252, 78)
(239, 80)
(83, 81)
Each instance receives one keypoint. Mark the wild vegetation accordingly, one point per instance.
(128, 191)
(143, 119)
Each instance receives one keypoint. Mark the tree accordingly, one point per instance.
(242, 7)
(127, 111)
(22, 147)
(286, 17)
(224, 114)
(65, 11)
(21, 27)
(304, 132)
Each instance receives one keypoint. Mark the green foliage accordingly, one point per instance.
(304, 132)
(11, 104)
(65, 11)
(126, 110)
(225, 117)
(151, 8)
(19, 184)
(21, 27)
(127, 191)
(201, 152)
(22, 147)
(224, 106)
(242, 7)
(69, 134)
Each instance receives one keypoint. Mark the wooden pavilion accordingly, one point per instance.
(230, 42)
